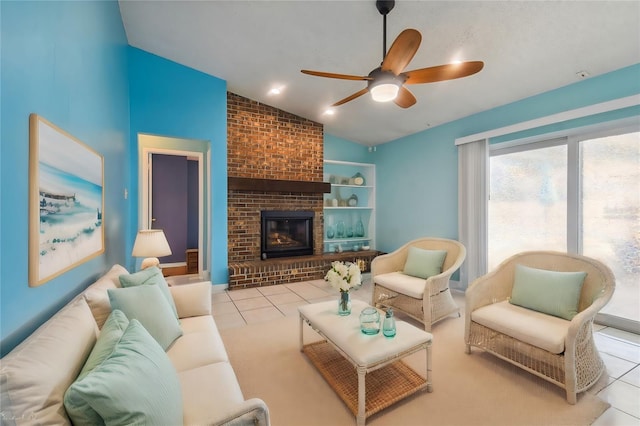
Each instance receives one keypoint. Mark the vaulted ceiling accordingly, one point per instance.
(528, 47)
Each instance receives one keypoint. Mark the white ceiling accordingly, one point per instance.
(528, 47)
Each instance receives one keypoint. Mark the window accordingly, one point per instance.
(579, 194)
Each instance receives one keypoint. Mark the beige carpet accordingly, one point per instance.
(476, 389)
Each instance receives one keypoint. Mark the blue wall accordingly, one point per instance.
(339, 149)
(417, 176)
(66, 61)
(169, 99)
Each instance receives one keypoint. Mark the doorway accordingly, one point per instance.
(173, 198)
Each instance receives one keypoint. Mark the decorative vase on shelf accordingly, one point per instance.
(389, 324)
(344, 304)
(358, 179)
(330, 232)
(370, 321)
(340, 229)
(359, 228)
(349, 232)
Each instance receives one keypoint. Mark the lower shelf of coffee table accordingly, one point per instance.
(384, 386)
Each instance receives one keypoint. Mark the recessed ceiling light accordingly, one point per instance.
(329, 111)
(275, 91)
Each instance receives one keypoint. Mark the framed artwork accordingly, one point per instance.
(66, 201)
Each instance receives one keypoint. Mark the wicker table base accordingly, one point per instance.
(385, 386)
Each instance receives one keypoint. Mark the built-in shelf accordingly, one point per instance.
(349, 206)
(276, 185)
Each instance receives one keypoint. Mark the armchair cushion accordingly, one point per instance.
(532, 327)
(423, 263)
(551, 292)
(402, 283)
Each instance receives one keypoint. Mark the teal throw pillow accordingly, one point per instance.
(551, 292)
(135, 384)
(149, 276)
(423, 263)
(78, 409)
(110, 334)
(147, 304)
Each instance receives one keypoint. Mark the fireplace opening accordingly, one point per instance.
(286, 233)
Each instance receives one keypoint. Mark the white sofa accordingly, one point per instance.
(36, 374)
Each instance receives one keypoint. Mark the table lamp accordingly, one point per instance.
(150, 244)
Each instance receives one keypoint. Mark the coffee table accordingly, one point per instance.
(365, 371)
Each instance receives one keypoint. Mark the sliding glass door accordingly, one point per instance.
(610, 206)
(579, 194)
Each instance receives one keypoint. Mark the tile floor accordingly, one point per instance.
(620, 350)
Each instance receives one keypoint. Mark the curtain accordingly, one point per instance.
(473, 167)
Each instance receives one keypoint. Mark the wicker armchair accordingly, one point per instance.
(426, 300)
(578, 366)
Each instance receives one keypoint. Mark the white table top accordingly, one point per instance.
(363, 349)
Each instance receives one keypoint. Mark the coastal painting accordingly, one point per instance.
(66, 202)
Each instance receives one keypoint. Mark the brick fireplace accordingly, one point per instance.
(274, 162)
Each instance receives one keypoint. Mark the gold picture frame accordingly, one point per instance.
(66, 201)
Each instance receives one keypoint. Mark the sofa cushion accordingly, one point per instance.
(402, 283)
(192, 300)
(150, 276)
(36, 373)
(135, 384)
(551, 292)
(423, 263)
(207, 401)
(147, 304)
(535, 328)
(201, 333)
(96, 293)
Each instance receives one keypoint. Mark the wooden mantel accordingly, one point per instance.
(276, 185)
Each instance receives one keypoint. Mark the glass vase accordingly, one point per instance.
(344, 304)
(330, 232)
(370, 321)
(389, 324)
(340, 229)
(359, 228)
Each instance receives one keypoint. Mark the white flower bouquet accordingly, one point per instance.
(344, 276)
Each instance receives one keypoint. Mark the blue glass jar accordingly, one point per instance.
(370, 321)
(389, 324)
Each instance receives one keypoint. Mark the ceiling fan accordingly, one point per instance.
(387, 82)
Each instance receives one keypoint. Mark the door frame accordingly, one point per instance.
(144, 218)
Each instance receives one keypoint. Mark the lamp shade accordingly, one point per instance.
(151, 243)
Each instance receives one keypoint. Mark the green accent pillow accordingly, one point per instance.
(78, 409)
(551, 292)
(147, 304)
(110, 334)
(149, 276)
(135, 384)
(423, 263)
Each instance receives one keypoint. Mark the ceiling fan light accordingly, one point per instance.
(384, 92)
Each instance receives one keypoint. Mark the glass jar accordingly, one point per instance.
(389, 324)
(370, 320)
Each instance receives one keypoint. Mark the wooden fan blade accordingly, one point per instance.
(352, 97)
(405, 98)
(333, 75)
(443, 72)
(401, 51)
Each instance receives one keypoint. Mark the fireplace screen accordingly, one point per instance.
(286, 233)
